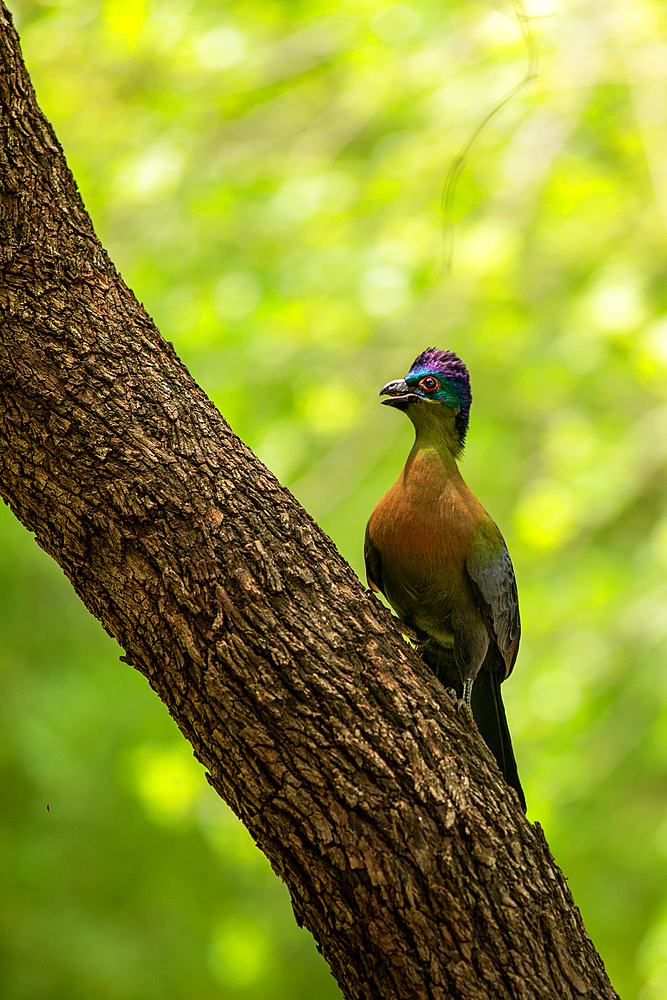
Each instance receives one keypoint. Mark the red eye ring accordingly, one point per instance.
(429, 383)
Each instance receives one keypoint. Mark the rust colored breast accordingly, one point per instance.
(422, 529)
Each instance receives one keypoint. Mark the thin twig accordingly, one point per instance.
(459, 161)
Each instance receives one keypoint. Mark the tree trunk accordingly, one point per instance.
(404, 852)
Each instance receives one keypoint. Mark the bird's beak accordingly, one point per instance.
(398, 393)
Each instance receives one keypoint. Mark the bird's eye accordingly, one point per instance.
(429, 383)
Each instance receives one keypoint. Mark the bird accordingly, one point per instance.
(440, 560)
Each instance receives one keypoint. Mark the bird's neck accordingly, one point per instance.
(436, 436)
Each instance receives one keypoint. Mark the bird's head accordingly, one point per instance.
(438, 380)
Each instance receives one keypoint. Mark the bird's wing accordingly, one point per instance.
(373, 564)
(492, 574)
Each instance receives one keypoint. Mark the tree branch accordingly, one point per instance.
(404, 852)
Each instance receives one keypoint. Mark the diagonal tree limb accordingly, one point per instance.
(404, 852)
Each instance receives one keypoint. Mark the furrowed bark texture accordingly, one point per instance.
(404, 852)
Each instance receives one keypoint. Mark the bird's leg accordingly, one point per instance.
(467, 696)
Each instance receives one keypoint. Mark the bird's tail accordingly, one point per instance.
(489, 714)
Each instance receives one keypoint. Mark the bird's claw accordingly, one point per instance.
(452, 694)
(462, 707)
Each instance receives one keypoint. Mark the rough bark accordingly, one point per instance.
(404, 852)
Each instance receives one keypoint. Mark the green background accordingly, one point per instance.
(266, 176)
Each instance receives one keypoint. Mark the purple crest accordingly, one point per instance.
(448, 365)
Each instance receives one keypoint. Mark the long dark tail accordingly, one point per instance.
(487, 707)
(489, 714)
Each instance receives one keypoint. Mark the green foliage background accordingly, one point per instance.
(266, 175)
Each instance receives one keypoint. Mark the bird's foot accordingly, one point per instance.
(452, 694)
(462, 707)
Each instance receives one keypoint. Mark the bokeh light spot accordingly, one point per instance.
(240, 953)
(220, 48)
(156, 172)
(384, 290)
(237, 294)
(330, 408)
(556, 696)
(168, 781)
(396, 23)
(126, 17)
(616, 303)
(545, 514)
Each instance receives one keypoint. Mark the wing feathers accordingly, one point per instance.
(492, 577)
(373, 564)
